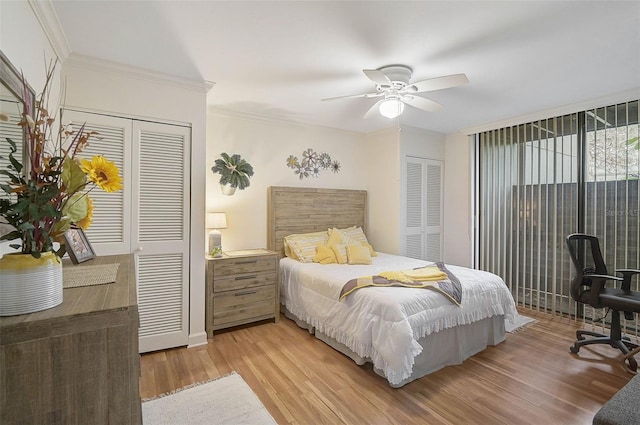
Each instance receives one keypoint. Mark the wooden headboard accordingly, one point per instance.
(304, 210)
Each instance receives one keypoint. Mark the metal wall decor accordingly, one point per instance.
(312, 164)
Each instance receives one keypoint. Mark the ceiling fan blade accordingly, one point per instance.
(421, 103)
(373, 110)
(353, 96)
(437, 83)
(377, 77)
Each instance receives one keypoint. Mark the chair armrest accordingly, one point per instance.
(597, 285)
(603, 276)
(627, 274)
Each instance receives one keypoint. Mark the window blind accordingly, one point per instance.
(540, 181)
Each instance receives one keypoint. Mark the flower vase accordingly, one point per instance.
(227, 189)
(29, 284)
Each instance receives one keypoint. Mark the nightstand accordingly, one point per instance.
(242, 287)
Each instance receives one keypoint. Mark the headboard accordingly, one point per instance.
(304, 210)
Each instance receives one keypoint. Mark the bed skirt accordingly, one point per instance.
(445, 348)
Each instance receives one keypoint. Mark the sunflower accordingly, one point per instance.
(103, 173)
(86, 221)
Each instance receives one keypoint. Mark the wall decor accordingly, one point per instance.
(234, 172)
(312, 164)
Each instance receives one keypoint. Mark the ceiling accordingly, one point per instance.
(278, 59)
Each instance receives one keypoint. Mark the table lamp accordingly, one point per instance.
(215, 221)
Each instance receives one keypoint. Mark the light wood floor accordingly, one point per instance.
(531, 378)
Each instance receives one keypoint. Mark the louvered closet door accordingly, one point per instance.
(423, 228)
(161, 225)
(9, 130)
(110, 230)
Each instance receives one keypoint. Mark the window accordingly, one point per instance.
(539, 182)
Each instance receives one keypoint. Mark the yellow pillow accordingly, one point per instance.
(336, 237)
(303, 245)
(358, 254)
(341, 253)
(355, 235)
(371, 251)
(325, 255)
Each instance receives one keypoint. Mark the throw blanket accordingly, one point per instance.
(429, 277)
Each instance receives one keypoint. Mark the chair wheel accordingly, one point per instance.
(631, 365)
(574, 349)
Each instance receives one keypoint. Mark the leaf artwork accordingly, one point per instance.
(312, 164)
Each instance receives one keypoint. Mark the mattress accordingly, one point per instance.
(382, 324)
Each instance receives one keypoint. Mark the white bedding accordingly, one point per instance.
(384, 324)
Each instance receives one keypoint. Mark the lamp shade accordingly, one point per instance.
(391, 107)
(216, 220)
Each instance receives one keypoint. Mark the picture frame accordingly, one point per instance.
(78, 246)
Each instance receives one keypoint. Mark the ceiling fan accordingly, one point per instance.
(392, 84)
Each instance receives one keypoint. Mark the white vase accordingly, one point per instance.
(227, 189)
(29, 284)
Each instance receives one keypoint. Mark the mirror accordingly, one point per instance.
(11, 95)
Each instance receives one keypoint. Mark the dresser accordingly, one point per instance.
(241, 287)
(76, 363)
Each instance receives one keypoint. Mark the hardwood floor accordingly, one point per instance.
(531, 378)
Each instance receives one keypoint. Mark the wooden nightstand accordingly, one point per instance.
(242, 287)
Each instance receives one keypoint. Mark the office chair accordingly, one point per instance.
(589, 287)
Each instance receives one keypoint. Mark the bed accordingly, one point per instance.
(406, 333)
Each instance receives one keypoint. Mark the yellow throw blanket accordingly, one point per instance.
(423, 274)
(431, 277)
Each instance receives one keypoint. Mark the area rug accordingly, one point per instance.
(224, 401)
(519, 322)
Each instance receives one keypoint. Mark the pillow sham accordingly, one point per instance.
(303, 245)
(354, 235)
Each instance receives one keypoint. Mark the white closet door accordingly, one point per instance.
(433, 229)
(9, 130)
(423, 225)
(110, 230)
(161, 228)
(414, 231)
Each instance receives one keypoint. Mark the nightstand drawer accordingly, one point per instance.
(236, 266)
(241, 281)
(243, 306)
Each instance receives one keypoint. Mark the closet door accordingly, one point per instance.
(9, 130)
(423, 228)
(110, 230)
(160, 227)
(149, 217)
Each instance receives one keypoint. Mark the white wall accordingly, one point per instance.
(266, 145)
(24, 42)
(383, 157)
(27, 47)
(458, 179)
(98, 86)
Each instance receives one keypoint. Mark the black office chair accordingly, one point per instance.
(588, 287)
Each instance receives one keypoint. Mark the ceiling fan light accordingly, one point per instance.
(391, 108)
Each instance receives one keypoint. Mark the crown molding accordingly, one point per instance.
(89, 62)
(620, 97)
(48, 20)
(229, 113)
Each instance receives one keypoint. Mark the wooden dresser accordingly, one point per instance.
(242, 287)
(76, 363)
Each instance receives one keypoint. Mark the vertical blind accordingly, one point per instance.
(541, 181)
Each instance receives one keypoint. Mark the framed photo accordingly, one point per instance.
(78, 246)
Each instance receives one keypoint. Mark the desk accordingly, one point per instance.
(76, 363)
